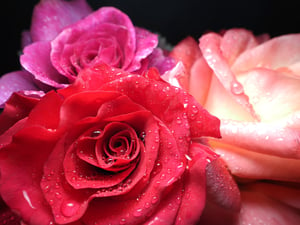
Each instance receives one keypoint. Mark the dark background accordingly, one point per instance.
(173, 19)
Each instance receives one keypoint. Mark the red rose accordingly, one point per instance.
(112, 148)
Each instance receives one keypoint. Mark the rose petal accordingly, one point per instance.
(236, 41)
(187, 51)
(276, 53)
(168, 208)
(168, 98)
(228, 107)
(145, 44)
(108, 18)
(25, 39)
(200, 80)
(7, 216)
(139, 208)
(267, 138)
(160, 61)
(20, 177)
(267, 89)
(210, 47)
(13, 82)
(252, 165)
(36, 60)
(194, 195)
(16, 108)
(86, 105)
(259, 208)
(50, 17)
(177, 76)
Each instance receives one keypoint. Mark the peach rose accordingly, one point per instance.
(252, 83)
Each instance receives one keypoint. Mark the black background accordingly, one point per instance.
(173, 19)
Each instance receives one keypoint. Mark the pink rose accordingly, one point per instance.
(252, 84)
(112, 148)
(66, 37)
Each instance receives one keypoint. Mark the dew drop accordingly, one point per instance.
(237, 88)
(195, 109)
(58, 195)
(138, 213)
(163, 176)
(143, 136)
(188, 157)
(154, 200)
(51, 202)
(46, 188)
(178, 120)
(123, 221)
(147, 205)
(96, 133)
(69, 208)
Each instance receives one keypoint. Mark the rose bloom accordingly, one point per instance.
(67, 36)
(252, 84)
(112, 148)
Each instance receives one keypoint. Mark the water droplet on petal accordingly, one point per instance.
(195, 109)
(123, 221)
(178, 120)
(58, 195)
(96, 133)
(154, 200)
(237, 88)
(138, 213)
(69, 208)
(147, 205)
(188, 157)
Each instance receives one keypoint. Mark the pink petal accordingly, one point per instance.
(273, 94)
(177, 76)
(145, 44)
(210, 47)
(36, 60)
(266, 138)
(13, 82)
(236, 41)
(26, 39)
(279, 52)
(259, 208)
(200, 80)
(108, 21)
(51, 16)
(186, 52)
(251, 165)
(160, 61)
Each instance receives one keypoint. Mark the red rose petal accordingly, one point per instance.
(16, 108)
(57, 189)
(80, 174)
(86, 104)
(49, 107)
(21, 170)
(14, 82)
(134, 210)
(194, 195)
(7, 216)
